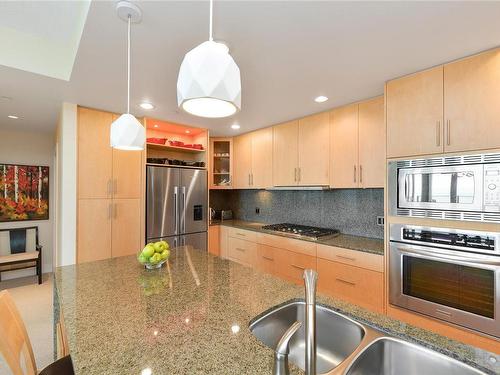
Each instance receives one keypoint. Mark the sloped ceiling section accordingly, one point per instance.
(42, 37)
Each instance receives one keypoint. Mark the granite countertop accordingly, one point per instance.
(346, 241)
(192, 316)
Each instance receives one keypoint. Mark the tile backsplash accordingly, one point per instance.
(352, 211)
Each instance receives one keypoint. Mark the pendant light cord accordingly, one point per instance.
(210, 37)
(128, 65)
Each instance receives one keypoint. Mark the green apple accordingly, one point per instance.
(148, 250)
(156, 258)
(142, 259)
(165, 254)
(158, 246)
(165, 244)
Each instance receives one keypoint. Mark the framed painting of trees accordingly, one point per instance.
(24, 192)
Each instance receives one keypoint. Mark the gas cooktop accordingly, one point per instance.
(295, 230)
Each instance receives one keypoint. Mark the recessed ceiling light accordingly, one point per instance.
(146, 105)
(235, 126)
(320, 99)
(13, 117)
(188, 131)
(156, 126)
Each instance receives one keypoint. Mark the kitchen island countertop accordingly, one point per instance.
(192, 316)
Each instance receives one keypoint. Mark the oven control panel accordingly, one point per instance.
(492, 187)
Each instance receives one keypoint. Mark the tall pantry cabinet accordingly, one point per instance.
(109, 191)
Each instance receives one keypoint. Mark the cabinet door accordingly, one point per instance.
(214, 239)
(126, 227)
(344, 147)
(471, 103)
(94, 229)
(314, 148)
(94, 154)
(371, 143)
(285, 154)
(242, 148)
(262, 158)
(415, 114)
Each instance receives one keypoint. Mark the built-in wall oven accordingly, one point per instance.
(450, 187)
(449, 274)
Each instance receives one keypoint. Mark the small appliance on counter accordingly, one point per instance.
(221, 214)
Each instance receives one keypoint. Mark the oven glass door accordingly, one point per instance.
(462, 287)
(459, 287)
(441, 188)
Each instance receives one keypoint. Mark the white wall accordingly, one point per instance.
(30, 148)
(66, 149)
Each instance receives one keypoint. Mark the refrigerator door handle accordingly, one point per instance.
(176, 210)
(183, 228)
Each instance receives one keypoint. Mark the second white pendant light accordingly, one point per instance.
(127, 133)
(209, 83)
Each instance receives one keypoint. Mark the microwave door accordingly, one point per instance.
(441, 188)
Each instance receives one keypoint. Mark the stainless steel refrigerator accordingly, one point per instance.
(176, 206)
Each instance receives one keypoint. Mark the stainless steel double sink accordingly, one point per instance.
(345, 346)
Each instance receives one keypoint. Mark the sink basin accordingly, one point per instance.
(336, 335)
(391, 356)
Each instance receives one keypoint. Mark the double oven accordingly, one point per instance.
(451, 274)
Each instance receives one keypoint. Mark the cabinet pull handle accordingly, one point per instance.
(438, 133)
(109, 187)
(115, 210)
(346, 258)
(300, 174)
(345, 282)
(110, 210)
(354, 173)
(241, 234)
(115, 186)
(251, 174)
(267, 258)
(249, 183)
(240, 249)
(298, 267)
(295, 174)
(360, 174)
(448, 131)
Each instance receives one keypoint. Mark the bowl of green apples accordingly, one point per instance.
(154, 255)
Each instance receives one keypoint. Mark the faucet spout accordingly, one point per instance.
(283, 349)
(310, 280)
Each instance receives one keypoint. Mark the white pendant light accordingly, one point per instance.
(127, 133)
(209, 83)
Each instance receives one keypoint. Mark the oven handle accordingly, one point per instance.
(466, 259)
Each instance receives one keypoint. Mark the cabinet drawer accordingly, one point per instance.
(291, 266)
(242, 251)
(243, 234)
(351, 257)
(356, 285)
(266, 259)
(296, 246)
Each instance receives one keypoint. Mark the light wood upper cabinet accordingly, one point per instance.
(371, 143)
(285, 153)
(242, 149)
(415, 114)
(94, 154)
(471, 103)
(127, 173)
(262, 158)
(314, 148)
(344, 147)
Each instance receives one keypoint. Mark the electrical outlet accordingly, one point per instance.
(257, 210)
(380, 221)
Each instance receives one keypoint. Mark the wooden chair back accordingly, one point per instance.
(15, 344)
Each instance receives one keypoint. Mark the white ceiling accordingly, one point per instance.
(288, 53)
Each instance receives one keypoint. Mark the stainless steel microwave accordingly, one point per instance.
(454, 187)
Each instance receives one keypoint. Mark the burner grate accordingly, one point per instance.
(301, 230)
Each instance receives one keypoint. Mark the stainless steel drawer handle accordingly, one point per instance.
(298, 267)
(345, 282)
(354, 173)
(241, 234)
(438, 133)
(448, 126)
(240, 249)
(346, 258)
(267, 258)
